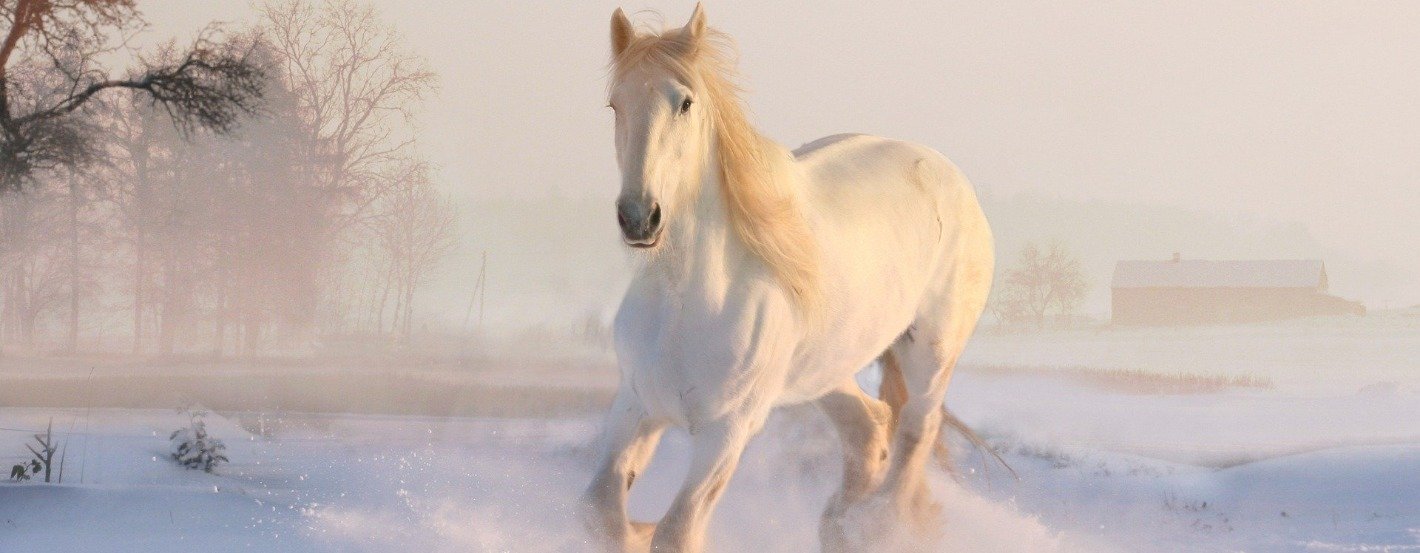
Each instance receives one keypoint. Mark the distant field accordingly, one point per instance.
(1317, 357)
(1133, 381)
(529, 387)
(1321, 356)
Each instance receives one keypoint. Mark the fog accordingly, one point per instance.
(1095, 131)
(1117, 131)
(1295, 121)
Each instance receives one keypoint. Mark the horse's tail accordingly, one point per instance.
(893, 391)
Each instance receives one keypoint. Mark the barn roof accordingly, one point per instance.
(1197, 273)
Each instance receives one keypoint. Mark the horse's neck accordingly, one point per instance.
(701, 248)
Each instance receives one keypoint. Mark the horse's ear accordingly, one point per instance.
(621, 32)
(695, 29)
(689, 38)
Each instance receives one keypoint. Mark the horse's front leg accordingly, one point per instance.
(863, 423)
(630, 441)
(716, 448)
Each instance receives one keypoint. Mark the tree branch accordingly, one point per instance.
(25, 16)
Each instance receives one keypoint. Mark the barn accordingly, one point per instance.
(1195, 291)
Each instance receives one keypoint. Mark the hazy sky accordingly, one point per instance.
(1288, 111)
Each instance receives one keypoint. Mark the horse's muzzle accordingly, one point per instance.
(640, 226)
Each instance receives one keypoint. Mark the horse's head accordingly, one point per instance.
(662, 124)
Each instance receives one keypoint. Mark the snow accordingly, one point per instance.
(1299, 466)
(1232, 471)
(345, 483)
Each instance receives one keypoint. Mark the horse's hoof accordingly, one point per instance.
(639, 538)
(880, 523)
(611, 532)
(833, 537)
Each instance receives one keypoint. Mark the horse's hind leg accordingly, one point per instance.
(862, 422)
(630, 441)
(925, 371)
(925, 355)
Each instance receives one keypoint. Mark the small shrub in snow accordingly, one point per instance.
(43, 461)
(193, 448)
(23, 471)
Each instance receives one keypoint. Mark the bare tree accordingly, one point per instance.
(84, 229)
(356, 88)
(137, 154)
(1040, 283)
(48, 255)
(219, 226)
(50, 73)
(32, 259)
(270, 216)
(416, 229)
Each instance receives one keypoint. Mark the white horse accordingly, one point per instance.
(770, 278)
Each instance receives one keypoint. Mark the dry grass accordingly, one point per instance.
(367, 393)
(1133, 381)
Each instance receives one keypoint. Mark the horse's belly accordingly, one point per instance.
(875, 298)
(864, 326)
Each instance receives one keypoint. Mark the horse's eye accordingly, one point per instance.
(685, 105)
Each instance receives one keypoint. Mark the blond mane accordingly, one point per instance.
(763, 202)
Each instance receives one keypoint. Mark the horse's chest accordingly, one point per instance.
(691, 362)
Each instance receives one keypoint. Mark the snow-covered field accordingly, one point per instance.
(1104, 464)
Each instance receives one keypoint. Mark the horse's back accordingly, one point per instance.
(860, 161)
(810, 148)
(848, 176)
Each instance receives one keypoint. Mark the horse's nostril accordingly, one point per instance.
(656, 216)
(621, 219)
